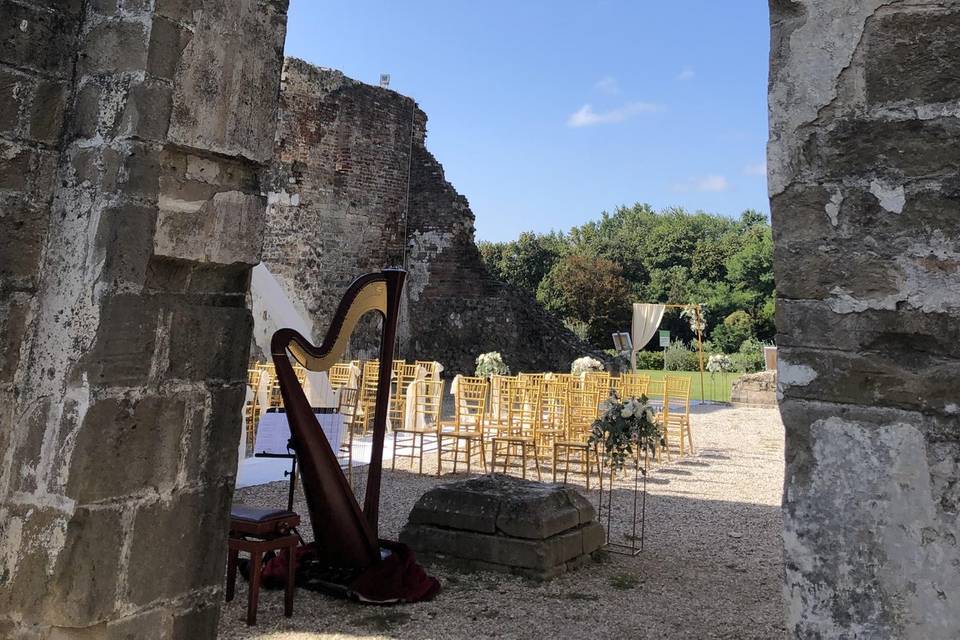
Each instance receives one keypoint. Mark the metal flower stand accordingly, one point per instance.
(606, 505)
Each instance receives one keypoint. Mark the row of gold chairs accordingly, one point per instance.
(263, 377)
(531, 417)
(356, 383)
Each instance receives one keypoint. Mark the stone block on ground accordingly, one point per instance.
(501, 523)
(755, 390)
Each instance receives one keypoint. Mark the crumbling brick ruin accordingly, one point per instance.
(353, 189)
(133, 139)
(866, 215)
(131, 136)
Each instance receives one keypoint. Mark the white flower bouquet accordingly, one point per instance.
(719, 362)
(625, 429)
(584, 365)
(491, 363)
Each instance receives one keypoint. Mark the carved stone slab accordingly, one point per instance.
(503, 523)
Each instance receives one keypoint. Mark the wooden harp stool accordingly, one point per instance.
(258, 531)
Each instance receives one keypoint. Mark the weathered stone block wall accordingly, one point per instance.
(338, 186)
(865, 197)
(353, 189)
(132, 137)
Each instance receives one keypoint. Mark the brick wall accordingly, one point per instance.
(353, 189)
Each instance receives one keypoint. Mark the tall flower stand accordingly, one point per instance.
(633, 503)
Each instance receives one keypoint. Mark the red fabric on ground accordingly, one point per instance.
(395, 579)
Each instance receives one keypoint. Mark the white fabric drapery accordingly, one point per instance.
(413, 419)
(272, 310)
(646, 320)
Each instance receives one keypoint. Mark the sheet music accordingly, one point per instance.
(273, 432)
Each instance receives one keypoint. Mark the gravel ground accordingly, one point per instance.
(711, 568)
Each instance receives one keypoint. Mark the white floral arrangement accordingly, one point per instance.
(491, 363)
(584, 365)
(719, 362)
(625, 429)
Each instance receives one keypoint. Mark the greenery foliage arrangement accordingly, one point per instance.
(626, 428)
(491, 363)
(750, 356)
(591, 273)
(650, 360)
(680, 357)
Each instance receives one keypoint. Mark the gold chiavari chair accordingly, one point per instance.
(403, 375)
(598, 382)
(347, 407)
(519, 432)
(467, 427)
(498, 404)
(655, 389)
(339, 375)
(368, 394)
(427, 397)
(252, 408)
(634, 385)
(531, 378)
(582, 410)
(675, 416)
(616, 386)
(431, 368)
(553, 411)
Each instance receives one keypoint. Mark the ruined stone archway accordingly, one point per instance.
(130, 194)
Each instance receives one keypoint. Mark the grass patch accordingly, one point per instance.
(384, 620)
(716, 386)
(624, 581)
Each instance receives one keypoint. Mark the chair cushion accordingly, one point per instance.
(255, 514)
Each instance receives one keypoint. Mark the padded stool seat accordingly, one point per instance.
(257, 531)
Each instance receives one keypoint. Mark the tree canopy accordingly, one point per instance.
(591, 274)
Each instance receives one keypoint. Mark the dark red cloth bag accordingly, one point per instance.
(394, 580)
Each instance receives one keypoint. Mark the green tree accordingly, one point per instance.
(736, 327)
(525, 261)
(670, 256)
(588, 290)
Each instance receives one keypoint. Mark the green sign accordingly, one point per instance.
(664, 338)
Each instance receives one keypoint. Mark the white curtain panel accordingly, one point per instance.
(646, 320)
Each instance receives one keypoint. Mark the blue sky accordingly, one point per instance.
(545, 113)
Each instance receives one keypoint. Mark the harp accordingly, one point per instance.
(347, 536)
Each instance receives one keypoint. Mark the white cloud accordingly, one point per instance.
(585, 116)
(687, 73)
(758, 169)
(705, 183)
(607, 85)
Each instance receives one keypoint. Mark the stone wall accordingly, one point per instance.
(755, 390)
(132, 135)
(456, 308)
(353, 189)
(865, 196)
